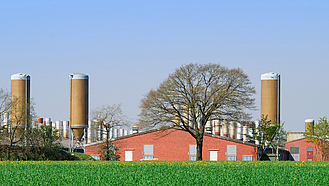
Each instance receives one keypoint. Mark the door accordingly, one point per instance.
(309, 154)
(213, 155)
(128, 155)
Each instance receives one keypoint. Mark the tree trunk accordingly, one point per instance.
(199, 143)
(107, 144)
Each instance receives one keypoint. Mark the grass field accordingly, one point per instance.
(163, 173)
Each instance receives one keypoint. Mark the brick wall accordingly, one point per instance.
(303, 145)
(173, 145)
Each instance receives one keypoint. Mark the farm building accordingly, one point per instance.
(301, 150)
(174, 144)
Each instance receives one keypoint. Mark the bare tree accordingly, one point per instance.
(194, 94)
(107, 117)
(4, 110)
(4, 103)
(21, 115)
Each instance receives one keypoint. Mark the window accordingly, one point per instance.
(309, 149)
(247, 158)
(231, 149)
(294, 151)
(192, 158)
(192, 153)
(148, 152)
(231, 152)
(231, 158)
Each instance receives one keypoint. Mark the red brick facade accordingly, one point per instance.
(174, 145)
(307, 151)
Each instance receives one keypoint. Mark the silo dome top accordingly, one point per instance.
(78, 76)
(20, 76)
(270, 76)
(309, 121)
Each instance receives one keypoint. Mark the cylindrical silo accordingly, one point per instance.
(135, 129)
(309, 123)
(208, 127)
(217, 127)
(270, 97)
(121, 132)
(111, 133)
(5, 120)
(65, 127)
(40, 123)
(233, 133)
(245, 132)
(116, 133)
(78, 103)
(20, 102)
(225, 128)
(47, 121)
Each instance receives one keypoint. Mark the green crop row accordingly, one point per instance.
(163, 173)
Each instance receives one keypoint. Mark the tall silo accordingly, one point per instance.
(78, 104)
(309, 123)
(20, 102)
(270, 97)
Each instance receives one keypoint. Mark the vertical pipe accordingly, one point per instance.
(257, 132)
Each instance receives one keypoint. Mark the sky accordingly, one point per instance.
(129, 47)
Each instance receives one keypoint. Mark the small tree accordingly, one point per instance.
(107, 117)
(268, 135)
(319, 136)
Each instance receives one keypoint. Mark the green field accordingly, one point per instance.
(163, 173)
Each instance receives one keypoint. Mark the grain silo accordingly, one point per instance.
(270, 97)
(309, 124)
(78, 104)
(20, 102)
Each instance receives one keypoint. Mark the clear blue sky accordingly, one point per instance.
(129, 47)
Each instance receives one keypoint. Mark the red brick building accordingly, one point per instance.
(173, 144)
(300, 150)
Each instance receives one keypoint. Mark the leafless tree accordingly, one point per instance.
(194, 94)
(4, 102)
(21, 115)
(107, 117)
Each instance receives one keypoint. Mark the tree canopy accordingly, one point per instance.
(196, 93)
(319, 136)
